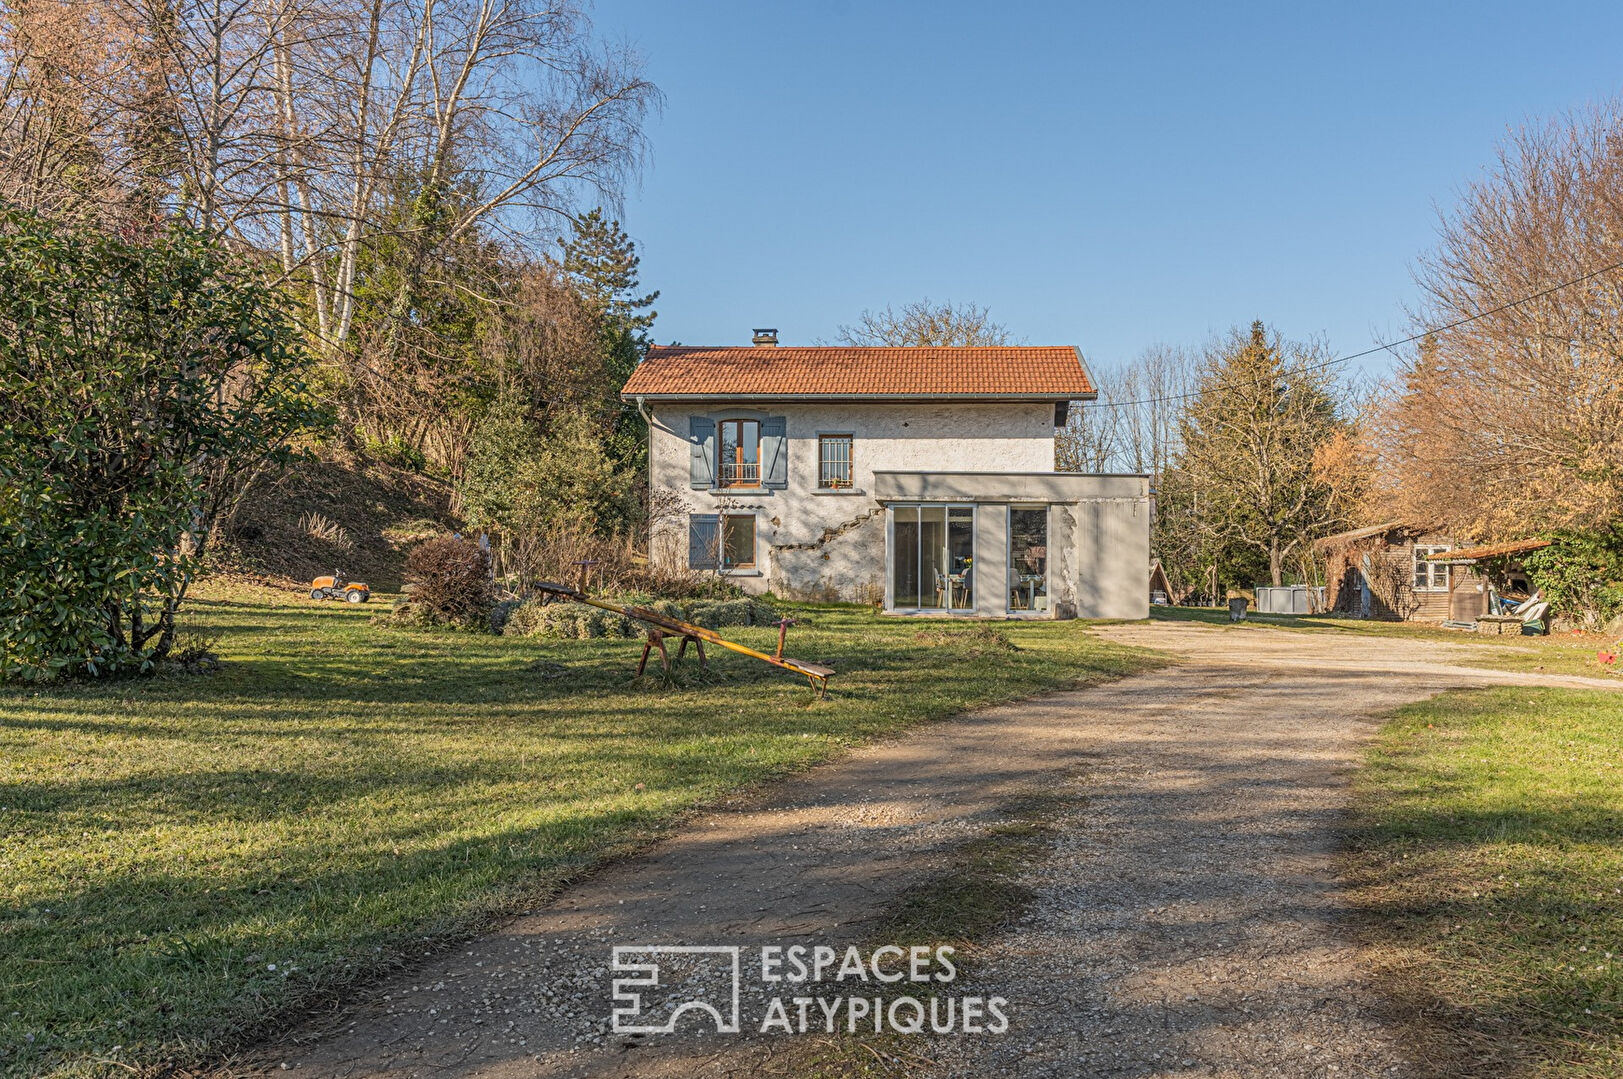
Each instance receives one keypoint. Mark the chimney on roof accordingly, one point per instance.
(764, 337)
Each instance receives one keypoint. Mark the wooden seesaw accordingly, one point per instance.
(661, 626)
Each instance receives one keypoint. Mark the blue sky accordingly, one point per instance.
(1104, 175)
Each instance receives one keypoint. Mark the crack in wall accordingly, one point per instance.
(831, 534)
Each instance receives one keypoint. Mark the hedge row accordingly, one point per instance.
(578, 621)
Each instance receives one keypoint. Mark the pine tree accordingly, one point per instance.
(602, 263)
(151, 125)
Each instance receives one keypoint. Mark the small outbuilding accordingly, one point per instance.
(1385, 571)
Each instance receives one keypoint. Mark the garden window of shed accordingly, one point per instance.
(1430, 576)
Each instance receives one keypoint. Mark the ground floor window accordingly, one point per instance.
(738, 541)
(932, 558)
(1028, 558)
(721, 541)
(1429, 576)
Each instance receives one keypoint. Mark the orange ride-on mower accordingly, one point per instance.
(335, 587)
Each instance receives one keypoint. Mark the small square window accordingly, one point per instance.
(834, 461)
(738, 541)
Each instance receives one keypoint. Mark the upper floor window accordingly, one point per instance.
(739, 459)
(834, 461)
(1430, 576)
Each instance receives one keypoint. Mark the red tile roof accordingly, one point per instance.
(1032, 372)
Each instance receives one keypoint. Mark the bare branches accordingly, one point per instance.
(926, 323)
(291, 125)
(1135, 427)
(1517, 417)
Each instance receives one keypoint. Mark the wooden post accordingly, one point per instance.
(656, 639)
(586, 565)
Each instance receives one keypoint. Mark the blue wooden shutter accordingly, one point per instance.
(704, 540)
(702, 446)
(774, 452)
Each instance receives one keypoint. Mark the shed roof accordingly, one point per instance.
(1008, 372)
(1491, 550)
(1356, 534)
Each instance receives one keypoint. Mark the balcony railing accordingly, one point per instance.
(740, 474)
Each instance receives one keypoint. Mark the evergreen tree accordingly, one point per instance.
(422, 303)
(151, 128)
(1251, 472)
(602, 263)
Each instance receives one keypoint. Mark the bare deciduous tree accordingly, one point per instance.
(1514, 421)
(925, 323)
(291, 126)
(66, 72)
(1133, 426)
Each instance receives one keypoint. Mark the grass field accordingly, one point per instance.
(1559, 653)
(183, 860)
(1489, 865)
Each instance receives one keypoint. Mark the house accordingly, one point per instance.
(921, 479)
(1414, 573)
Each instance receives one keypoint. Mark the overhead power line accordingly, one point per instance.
(1387, 347)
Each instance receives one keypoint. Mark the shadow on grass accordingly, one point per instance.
(238, 948)
(342, 797)
(1486, 859)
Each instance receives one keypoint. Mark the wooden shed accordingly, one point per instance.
(1394, 571)
(1161, 592)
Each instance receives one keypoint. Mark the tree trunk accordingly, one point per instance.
(1275, 569)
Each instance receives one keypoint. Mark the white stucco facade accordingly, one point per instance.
(978, 459)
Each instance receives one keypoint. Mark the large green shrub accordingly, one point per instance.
(527, 482)
(144, 381)
(1581, 574)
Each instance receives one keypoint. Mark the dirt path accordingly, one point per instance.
(1188, 922)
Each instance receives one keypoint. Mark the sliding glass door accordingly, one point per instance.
(932, 558)
(904, 558)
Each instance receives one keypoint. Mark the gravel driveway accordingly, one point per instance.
(1189, 921)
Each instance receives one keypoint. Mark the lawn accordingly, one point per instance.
(1488, 862)
(1559, 653)
(185, 861)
